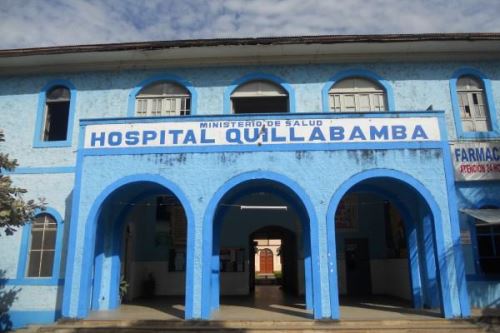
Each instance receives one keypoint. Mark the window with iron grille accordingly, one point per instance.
(357, 95)
(42, 246)
(55, 126)
(488, 246)
(163, 99)
(474, 111)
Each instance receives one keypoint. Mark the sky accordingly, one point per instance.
(39, 23)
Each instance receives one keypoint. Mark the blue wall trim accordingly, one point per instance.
(494, 133)
(362, 73)
(208, 237)
(257, 76)
(32, 282)
(162, 78)
(455, 224)
(21, 278)
(40, 115)
(251, 116)
(21, 319)
(40, 170)
(264, 147)
(446, 301)
(68, 309)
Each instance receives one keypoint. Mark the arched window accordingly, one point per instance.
(357, 95)
(42, 246)
(259, 97)
(163, 99)
(474, 112)
(57, 109)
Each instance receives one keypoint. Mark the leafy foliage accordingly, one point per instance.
(14, 210)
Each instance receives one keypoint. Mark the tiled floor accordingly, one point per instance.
(267, 303)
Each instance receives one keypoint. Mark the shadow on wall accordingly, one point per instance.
(7, 298)
(486, 295)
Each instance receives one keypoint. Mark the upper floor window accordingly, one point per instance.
(42, 246)
(357, 95)
(259, 97)
(57, 109)
(474, 111)
(163, 99)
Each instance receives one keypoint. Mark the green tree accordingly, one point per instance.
(14, 210)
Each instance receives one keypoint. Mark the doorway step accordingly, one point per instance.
(343, 326)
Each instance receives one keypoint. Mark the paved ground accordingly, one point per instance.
(268, 303)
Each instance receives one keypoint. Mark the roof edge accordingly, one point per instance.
(285, 40)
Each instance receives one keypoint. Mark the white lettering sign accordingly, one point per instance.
(476, 160)
(260, 132)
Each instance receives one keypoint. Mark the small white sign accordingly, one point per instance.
(476, 160)
(191, 133)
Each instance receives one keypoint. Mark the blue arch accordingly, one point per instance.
(488, 92)
(446, 301)
(21, 277)
(306, 238)
(363, 73)
(255, 77)
(208, 231)
(40, 115)
(162, 78)
(87, 253)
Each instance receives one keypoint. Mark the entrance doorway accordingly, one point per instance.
(140, 253)
(385, 247)
(275, 262)
(259, 226)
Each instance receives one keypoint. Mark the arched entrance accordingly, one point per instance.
(245, 210)
(384, 236)
(137, 235)
(275, 249)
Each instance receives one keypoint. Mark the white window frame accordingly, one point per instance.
(163, 104)
(475, 117)
(338, 99)
(49, 225)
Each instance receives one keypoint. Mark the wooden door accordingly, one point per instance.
(266, 261)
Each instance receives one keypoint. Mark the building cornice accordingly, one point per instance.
(262, 50)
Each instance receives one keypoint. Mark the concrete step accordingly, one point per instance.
(350, 326)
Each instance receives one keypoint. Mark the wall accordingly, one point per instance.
(48, 172)
(101, 171)
(105, 94)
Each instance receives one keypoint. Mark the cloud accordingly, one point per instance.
(36, 23)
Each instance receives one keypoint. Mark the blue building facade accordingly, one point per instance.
(374, 154)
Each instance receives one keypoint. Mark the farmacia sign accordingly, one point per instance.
(260, 132)
(476, 160)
